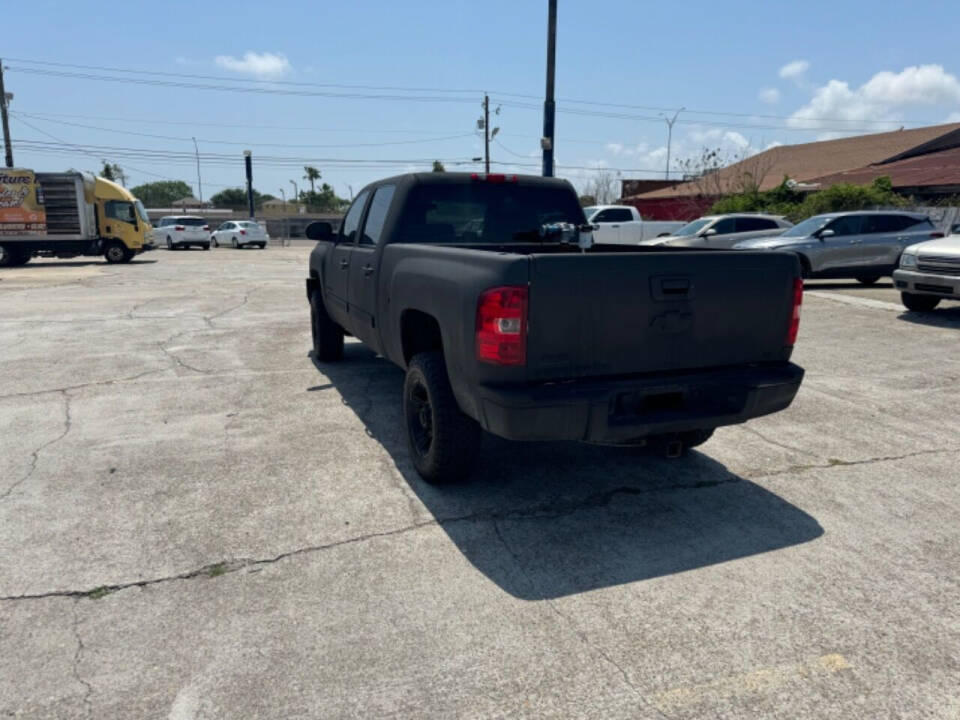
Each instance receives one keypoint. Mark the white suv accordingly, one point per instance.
(183, 231)
(241, 233)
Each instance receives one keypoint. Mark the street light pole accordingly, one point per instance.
(199, 183)
(296, 191)
(670, 122)
(248, 163)
(4, 101)
(549, 106)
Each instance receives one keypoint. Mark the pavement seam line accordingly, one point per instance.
(836, 462)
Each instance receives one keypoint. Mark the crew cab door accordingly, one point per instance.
(336, 274)
(881, 246)
(615, 226)
(364, 267)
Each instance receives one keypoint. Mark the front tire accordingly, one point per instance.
(327, 335)
(235, 245)
(919, 303)
(117, 252)
(442, 440)
(14, 256)
(868, 279)
(215, 243)
(170, 245)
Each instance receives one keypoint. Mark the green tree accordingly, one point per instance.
(162, 194)
(587, 200)
(236, 199)
(438, 166)
(323, 200)
(312, 175)
(109, 171)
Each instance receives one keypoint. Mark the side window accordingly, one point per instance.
(348, 231)
(749, 224)
(725, 226)
(911, 223)
(120, 210)
(846, 225)
(377, 214)
(882, 224)
(620, 215)
(605, 216)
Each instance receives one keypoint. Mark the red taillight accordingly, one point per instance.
(179, 227)
(794, 327)
(206, 227)
(243, 232)
(501, 334)
(937, 234)
(493, 177)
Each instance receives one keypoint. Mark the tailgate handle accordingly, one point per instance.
(672, 288)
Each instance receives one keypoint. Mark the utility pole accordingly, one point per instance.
(486, 133)
(199, 184)
(670, 122)
(248, 163)
(296, 191)
(4, 99)
(549, 107)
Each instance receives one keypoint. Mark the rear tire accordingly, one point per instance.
(919, 303)
(262, 246)
(13, 256)
(116, 252)
(215, 243)
(868, 279)
(205, 246)
(327, 335)
(442, 440)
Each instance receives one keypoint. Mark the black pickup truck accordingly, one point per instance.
(502, 325)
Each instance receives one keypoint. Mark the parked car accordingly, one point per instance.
(183, 231)
(929, 272)
(623, 224)
(718, 232)
(241, 233)
(865, 245)
(513, 327)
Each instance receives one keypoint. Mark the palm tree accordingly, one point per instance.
(312, 174)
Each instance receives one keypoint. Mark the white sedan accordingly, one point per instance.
(240, 233)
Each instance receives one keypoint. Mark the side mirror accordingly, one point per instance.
(828, 233)
(708, 232)
(319, 230)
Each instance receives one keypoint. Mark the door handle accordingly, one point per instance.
(368, 270)
(856, 242)
(616, 226)
(344, 264)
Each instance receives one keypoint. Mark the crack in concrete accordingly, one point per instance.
(80, 386)
(176, 358)
(35, 455)
(77, 657)
(837, 462)
(550, 510)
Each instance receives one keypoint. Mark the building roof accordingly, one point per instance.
(807, 161)
(188, 202)
(932, 169)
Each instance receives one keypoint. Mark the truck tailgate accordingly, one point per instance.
(603, 314)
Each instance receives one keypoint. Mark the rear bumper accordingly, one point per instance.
(624, 410)
(924, 283)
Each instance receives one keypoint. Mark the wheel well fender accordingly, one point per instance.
(419, 332)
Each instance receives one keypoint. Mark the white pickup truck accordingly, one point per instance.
(622, 224)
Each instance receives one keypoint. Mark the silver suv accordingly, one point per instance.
(865, 245)
(722, 232)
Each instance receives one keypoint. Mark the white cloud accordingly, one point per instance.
(794, 70)
(953, 117)
(769, 95)
(262, 65)
(615, 148)
(836, 106)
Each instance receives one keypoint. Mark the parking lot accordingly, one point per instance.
(198, 521)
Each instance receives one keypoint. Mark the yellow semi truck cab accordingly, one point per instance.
(69, 214)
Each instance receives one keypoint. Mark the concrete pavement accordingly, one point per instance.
(198, 522)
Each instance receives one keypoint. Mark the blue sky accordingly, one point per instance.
(750, 74)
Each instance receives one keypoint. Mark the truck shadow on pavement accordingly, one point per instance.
(944, 317)
(547, 520)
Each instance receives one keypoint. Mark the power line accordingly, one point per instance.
(396, 88)
(250, 143)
